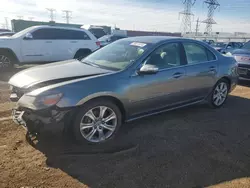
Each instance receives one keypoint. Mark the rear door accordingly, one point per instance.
(201, 70)
(165, 88)
(38, 48)
(68, 41)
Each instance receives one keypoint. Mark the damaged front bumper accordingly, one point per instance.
(34, 121)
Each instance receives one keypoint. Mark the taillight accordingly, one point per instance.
(98, 43)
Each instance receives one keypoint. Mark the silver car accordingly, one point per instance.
(126, 80)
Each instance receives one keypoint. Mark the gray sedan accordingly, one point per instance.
(126, 80)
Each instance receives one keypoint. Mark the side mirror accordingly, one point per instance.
(28, 36)
(148, 69)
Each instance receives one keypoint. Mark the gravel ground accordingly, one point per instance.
(191, 147)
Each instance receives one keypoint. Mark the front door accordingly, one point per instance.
(201, 70)
(36, 48)
(149, 92)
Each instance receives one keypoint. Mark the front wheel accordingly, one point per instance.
(6, 62)
(97, 122)
(219, 94)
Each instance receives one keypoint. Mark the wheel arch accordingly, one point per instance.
(109, 97)
(11, 52)
(227, 79)
(82, 50)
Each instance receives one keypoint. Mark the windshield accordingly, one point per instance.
(219, 44)
(118, 55)
(20, 33)
(246, 46)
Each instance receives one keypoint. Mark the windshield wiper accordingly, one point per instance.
(91, 64)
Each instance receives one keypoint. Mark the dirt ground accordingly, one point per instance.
(192, 147)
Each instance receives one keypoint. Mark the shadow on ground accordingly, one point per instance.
(191, 147)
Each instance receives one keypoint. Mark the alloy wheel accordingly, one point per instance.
(220, 94)
(98, 124)
(4, 61)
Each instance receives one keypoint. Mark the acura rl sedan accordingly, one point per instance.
(126, 80)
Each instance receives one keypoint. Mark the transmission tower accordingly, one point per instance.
(68, 15)
(51, 13)
(6, 22)
(197, 27)
(187, 15)
(212, 6)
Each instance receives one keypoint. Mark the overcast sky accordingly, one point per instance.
(153, 15)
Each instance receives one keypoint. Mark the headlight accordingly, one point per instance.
(39, 102)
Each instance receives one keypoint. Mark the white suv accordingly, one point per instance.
(46, 44)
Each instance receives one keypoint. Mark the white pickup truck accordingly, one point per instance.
(45, 44)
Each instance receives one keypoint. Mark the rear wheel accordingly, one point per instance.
(219, 94)
(97, 122)
(6, 61)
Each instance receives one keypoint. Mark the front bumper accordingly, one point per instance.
(244, 71)
(34, 121)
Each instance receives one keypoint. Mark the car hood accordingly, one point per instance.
(241, 52)
(54, 73)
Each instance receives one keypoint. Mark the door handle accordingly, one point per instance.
(178, 75)
(212, 69)
(48, 42)
(73, 41)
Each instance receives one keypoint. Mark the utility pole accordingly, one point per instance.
(197, 27)
(68, 15)
(31, 18)
(212, 6)
(51, 13)
(6, 22)
(187, 14)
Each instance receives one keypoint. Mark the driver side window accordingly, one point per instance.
(166, 56)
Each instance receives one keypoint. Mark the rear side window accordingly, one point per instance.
(59, 34)
(196, 53)
(76, 35)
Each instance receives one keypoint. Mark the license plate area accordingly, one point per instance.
(242, 71)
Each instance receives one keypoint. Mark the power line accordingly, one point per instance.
(20, 17)
(187, 14)
(68, 15)
(212, 6)
(51, 13)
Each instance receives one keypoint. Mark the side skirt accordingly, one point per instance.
(163, 110)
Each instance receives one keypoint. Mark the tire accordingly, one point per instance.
(82, 54)
(94, 128)
(6, 61)
(219, 94)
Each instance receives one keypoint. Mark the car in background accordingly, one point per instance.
(242, 56)
(107, 39)
(46, 44)
(128, 79)
(226, 47)
(6, 34)
(98, 32)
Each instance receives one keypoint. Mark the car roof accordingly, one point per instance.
(58, 27)
(151, 39)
